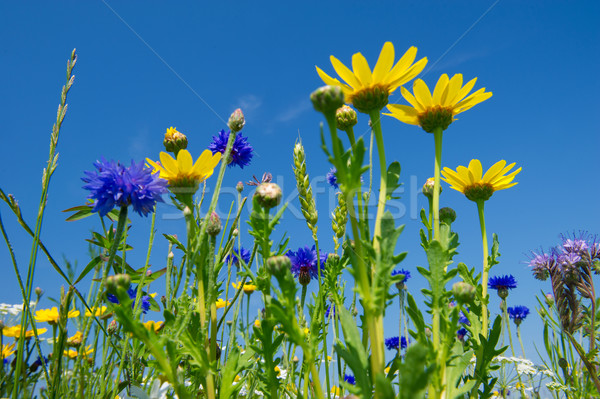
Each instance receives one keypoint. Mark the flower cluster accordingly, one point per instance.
(395, 343)
(132, 292)
(113, 184)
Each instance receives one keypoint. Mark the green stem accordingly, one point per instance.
(486, 271)
(512, 348)
(437, 135)
(376, 125)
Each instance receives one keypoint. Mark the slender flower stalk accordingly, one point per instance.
(486, 269)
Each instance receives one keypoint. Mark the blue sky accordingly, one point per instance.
(145, 66)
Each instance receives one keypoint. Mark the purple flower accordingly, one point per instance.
(502, 282)
(233, 257)
(462, 318)
(132, 292)
(241, 152)
(304, 263)
(332, 178)
(460, 334)
(395, 343)
(402, 271)
(112, 184)
(540, 265)
(567, 259)
(330, 309)
(518, 313)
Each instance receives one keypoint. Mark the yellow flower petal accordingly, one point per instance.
(440, 89)
(361, 69)
(422, 93)
(384, 62)
(168, 163)
(476, 169)
(344, 72)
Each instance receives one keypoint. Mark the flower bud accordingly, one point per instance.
(112, 327)
(235, 232)
(39, 292)
(213, 227)
(123, 280)
(236, 121)
(549, 300)
(239, 187)
(327, 99)
(345, 117)
(174, 140)
(447, 215)
(277, 265)
(268, 195)
(76, 340)
(163, 300)
(295, 359)
(428, 187)
(304, 276)
(503, 292)
(463, 292)
(562, 363)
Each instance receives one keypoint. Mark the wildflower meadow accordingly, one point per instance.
(184, 270)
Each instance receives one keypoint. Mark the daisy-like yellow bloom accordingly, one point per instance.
(183, 171)
(97, 312)
(8, 350)
(257, 323)
(477, 186)
(72, 353)
(152, 325)
(369, 90)
(221, 303)
(51, 315)
(76, 340)
(15, 332)
(248, 288)
(438, 110)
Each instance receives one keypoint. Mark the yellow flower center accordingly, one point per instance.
(436, 117)
(369, 99)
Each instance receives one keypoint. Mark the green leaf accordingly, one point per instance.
(384, 387)
(393, 176)
(93, 263)
(173, 240)
(414, 373)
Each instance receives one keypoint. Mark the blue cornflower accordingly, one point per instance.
(332, 178)
(518, 313)
(349, 378)
(233, 257)
(132, 292)
(460, 334)
(502, 284)
(462, 318)
(402, 271)
(304, 263)
(330, 309)
(395, 343)
(241, 152)
(112, 184)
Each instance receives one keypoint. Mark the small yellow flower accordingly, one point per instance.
(72, 353)
(98, 312)
(248, 288)
(257, 323)
(369, 91)
(75, 340)
(183, 172)
(15, 332)
(336, 391)
(8, 350)
(152, 325)
(438, 110)
(221, 303)
(477, 186)
(51, 315)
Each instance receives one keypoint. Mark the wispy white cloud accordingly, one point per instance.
(249, 103)
(294, 111)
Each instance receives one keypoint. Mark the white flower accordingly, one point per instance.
(159, 391)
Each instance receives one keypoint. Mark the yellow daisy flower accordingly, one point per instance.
(438, 110)
(51, 315)
(15, 332)
(75, 340)
(369, 91)
(72, 353)
(8, 350)
(184, 172)
(221, 303)
(97, 312)
(248, 288)
(152, 325)
(477, 186)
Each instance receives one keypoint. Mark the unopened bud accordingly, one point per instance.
(123, 280)
(463, 292)
(235, 232)
(163, 300)
(213, 227)
(39, 292)
(268, 195)
(503, 292)
(327, 99)
(428, 332)
(171, 255)
(549, 300)
(562, 363)
(295, 359)
(239, 187)
(447, 215)
(277, 265)
(174, 140)
(428, 187)
(345, 117)
(236, 121)
(112, 327)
